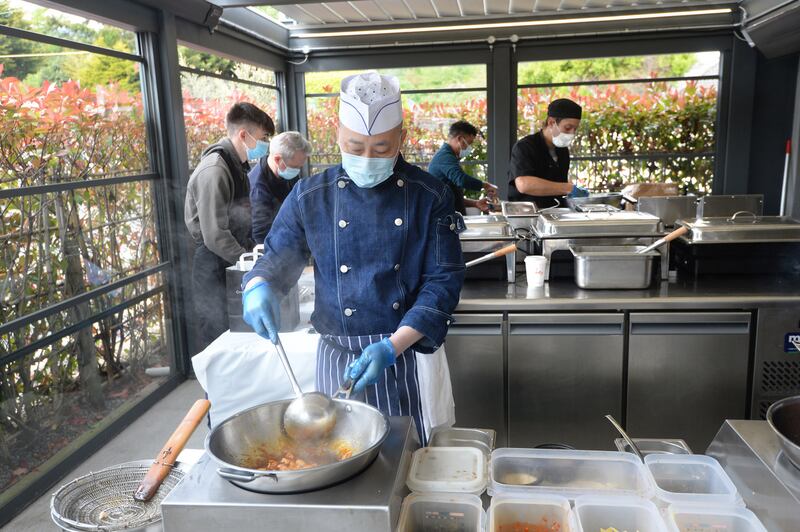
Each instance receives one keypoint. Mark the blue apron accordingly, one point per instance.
(395, 394)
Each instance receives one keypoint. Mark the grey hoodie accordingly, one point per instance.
(209, 206)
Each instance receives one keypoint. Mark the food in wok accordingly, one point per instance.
(287, 455)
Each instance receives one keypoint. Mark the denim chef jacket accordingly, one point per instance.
(384, 257)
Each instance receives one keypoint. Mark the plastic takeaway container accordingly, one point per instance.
(447, 469)
(695, 518)
(694, 479)
(441, 512)
(540, 512)
(570, 474)
(482, 439)
(631, 514)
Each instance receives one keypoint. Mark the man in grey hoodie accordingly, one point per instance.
(217, 212)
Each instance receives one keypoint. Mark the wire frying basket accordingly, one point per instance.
(103, 501)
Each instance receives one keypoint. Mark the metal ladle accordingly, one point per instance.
(310, 416)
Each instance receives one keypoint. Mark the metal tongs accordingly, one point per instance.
(345, 389)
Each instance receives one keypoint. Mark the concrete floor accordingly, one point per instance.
(141, 440)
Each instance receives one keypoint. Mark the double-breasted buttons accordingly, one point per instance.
(343, 223)
(342, 183)
(397, 267)
(344, 268)
(400, 183)
(348, 312)
(396, 305)
(398, 222)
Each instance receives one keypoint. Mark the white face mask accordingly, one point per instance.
(563, 140)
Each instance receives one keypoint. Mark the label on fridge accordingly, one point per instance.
(791, 343)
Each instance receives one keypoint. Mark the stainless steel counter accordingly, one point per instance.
(564, 295)
(750, 453)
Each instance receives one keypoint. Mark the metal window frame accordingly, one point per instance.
(64, 43)
(630, 81)
(208, 74)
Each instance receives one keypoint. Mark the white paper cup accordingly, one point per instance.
(534, 270)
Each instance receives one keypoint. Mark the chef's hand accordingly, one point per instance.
(482, 205)
(261, 308)
(368, 368)
(578, 192)
(490, 189)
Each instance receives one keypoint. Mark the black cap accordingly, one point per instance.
(564, 108)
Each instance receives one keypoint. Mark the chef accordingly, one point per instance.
(539, 166)
(388, 266)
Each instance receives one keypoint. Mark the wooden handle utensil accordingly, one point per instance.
(165, 460)
(511, 248)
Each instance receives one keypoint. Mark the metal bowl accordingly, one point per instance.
(784, 418)
(362, 426)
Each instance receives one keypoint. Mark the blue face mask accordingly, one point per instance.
(261, 149)
(288, 172)
(368, 172)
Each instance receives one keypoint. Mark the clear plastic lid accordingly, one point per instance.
(533, 513)
(442, 512)
(695, 479)
(567, 473)
(631, 514)
(482, 439)
(448, 469)
(696, 518)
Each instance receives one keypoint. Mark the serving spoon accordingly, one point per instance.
(310, 416)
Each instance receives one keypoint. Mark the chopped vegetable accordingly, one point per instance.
(287, 456)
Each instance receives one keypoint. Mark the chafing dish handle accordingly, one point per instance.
(241, 476)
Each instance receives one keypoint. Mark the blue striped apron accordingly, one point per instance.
(395, 394)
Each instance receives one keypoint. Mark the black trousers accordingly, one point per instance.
(209, 295)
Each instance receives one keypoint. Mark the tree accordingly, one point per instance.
(11, 46)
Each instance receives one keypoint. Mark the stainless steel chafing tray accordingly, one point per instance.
(595, 224)
(741, 228)
(486, 237)
(520, 214)
(484, 218)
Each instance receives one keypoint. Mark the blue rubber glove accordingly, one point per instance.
(578, 192)
(368, 368)
(261, 309)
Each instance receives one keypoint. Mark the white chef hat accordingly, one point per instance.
(369, 103)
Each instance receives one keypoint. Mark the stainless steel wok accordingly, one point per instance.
(784, 418)
(361, 426)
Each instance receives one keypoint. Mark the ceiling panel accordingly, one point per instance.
(365, 11)
(522, 6)
(347, 11)
(372, 10)
(398, 9)
(447, 8)
(422, 8)
(472, 8)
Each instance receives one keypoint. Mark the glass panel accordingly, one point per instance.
(427, 117)
(412, 78)
(27, 16)
(632, 132)
(58, 245)
(222, 66)
(694, 175)
(206, 100)
(73, 387)
(71, 118)
(619, 68)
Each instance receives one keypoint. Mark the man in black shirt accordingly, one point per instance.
(539, 163)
